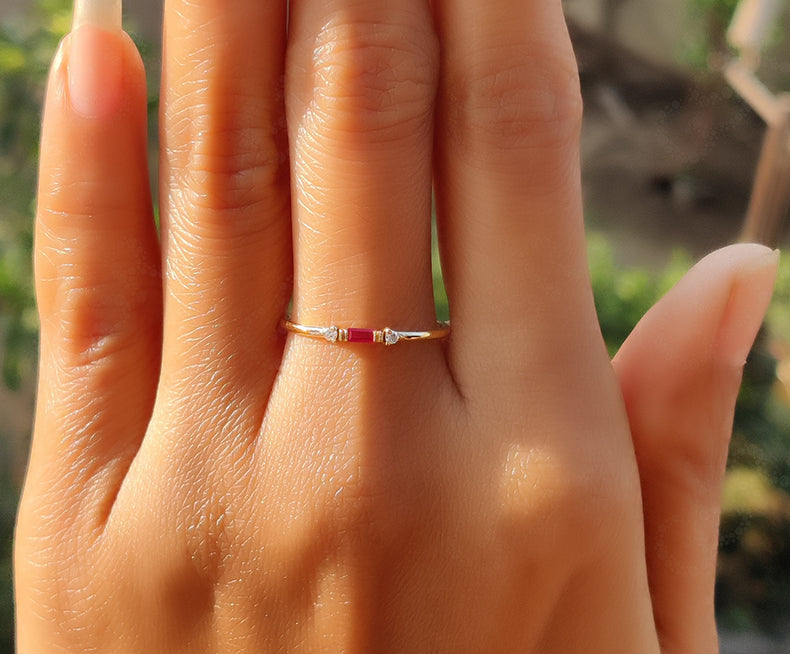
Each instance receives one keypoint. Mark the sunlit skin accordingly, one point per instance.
(200, 482)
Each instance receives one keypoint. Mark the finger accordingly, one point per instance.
(508, 190)
(226, 231)
(680, 371)
(361, 85)
(97, 257)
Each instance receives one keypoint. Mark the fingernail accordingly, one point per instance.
(748, 303)
(95, 66)
(99, 13)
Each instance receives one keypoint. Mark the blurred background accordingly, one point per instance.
(680, 129)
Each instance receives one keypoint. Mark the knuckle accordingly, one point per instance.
(72, 199)
(237, 217)
(531, 102)
(227, 159)
(236, 178)
(372, 78)
(92, 322)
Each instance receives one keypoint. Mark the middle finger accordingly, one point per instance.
(361, 81)
(224, 181)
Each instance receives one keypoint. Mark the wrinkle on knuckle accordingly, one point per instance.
(76, 200)
(235, 176)
(202, 221)
(373, 79)
(226, 156)
(90, 289)
(522, 102)
(92, 326)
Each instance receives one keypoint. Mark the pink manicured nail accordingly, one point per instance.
(95, 64)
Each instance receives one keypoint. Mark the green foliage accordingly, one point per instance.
(25, 52)
(762, 421)
(439, 291)
(8, 497)
(779, 313)
(623, 296)
(753, 581)
(722, 10)
(714, 17)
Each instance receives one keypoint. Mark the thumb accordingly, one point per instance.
(680, 372)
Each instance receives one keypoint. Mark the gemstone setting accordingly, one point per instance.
(386, 336)
(357, 335)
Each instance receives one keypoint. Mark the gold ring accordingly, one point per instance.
(387, 336)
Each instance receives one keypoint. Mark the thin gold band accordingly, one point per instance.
(387, 336)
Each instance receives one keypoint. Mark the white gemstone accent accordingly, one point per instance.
(390, 337)
(331, 334)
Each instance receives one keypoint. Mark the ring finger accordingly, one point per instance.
(508, 189)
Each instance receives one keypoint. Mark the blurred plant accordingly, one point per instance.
(779, 313)
(8, 497)
(25, 51)
(623, 296)
(711, 46)
(439, 291)
(715, 17)
(753, 581)
(718, 12)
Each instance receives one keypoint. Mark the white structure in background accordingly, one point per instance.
(751, 23)
(770, 200)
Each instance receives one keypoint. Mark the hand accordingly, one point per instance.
(201, 483)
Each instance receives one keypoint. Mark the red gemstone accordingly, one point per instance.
(360, 335)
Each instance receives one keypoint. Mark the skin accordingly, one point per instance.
(199, 482)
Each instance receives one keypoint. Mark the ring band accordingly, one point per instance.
(387, 336)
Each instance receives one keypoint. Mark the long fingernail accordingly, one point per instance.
(96, 54)
(99, 13)
(749, 300)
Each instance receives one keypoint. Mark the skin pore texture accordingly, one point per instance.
(202, 482)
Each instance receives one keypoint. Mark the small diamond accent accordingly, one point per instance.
(331, 334)
(390, 337)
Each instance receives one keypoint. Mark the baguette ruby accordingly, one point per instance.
(360, 335)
